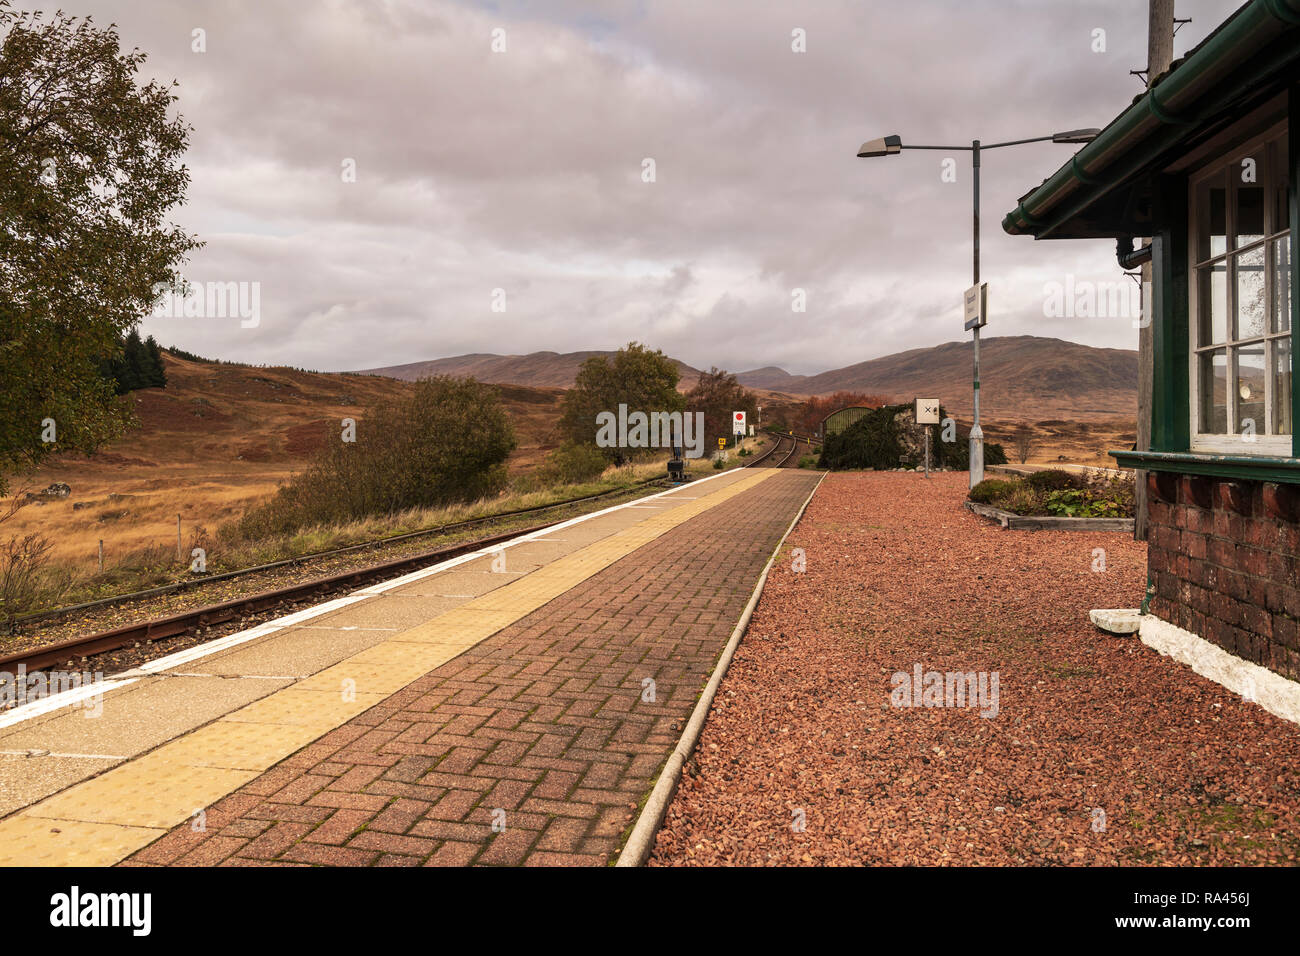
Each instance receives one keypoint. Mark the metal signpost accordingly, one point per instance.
(926, 412)
(975, 305)
(738, 426)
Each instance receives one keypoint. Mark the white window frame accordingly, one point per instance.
(1234, 444)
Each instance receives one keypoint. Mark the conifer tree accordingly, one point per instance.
(157, 371)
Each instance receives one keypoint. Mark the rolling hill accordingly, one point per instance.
(1022, 377)
(535, 370)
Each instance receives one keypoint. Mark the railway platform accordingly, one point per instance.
(510, 706)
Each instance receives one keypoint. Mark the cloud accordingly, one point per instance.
(523, 171)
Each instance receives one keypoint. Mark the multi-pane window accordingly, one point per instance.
(1241, 293)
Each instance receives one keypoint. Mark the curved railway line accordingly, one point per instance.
(781, 456)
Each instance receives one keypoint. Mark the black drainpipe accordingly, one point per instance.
(1128, 258)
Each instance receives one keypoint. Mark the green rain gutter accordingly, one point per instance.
(1161, 116)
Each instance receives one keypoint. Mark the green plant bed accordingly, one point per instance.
(1059, 494)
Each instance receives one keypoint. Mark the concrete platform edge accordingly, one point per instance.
(639, 843)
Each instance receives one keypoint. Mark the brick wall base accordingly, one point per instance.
(1224, 559)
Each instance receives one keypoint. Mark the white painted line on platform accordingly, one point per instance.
(65, 698)
(78, 694)
(494, 549)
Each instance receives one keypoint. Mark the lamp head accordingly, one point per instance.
(887, 146)
(1076, 136)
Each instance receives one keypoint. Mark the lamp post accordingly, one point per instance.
(891, 146)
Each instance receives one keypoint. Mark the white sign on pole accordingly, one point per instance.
(738, 423)
(927, 411)
(975, 306)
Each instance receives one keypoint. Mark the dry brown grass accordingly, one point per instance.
(1057, 441)
(217, 439)
(140, 546)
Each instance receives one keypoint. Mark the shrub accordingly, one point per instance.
(572, 464)
(1020, 499)
(870, 442)
(875, 441)
(1117, 489)
(22, 559)
(445, 442)
(1053, 479)
(1085, 503)
(1067, 503)
(991, 489)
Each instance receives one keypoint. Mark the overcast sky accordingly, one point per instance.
(522, 171)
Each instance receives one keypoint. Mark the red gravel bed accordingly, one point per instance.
(899, 574)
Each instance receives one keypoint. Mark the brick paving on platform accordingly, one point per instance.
(534, 747)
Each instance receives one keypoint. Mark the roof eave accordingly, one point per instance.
(1245, 49)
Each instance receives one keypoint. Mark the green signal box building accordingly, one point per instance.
(1204, 163)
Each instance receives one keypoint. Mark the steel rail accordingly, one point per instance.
(763, 457)
(194, 582)
(794, 447)
(173, 625)
(35, 658)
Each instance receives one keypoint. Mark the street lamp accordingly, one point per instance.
(893, 145)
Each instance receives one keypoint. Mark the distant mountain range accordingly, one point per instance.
(536, 369)
(1022, 377)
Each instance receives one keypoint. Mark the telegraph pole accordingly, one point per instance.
(1160, 53)
(976, 432)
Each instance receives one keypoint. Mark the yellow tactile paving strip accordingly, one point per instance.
(106, 818)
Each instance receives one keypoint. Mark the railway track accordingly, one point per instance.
(198, 581)
(784, 452)
(762, 461)
(182, 623)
